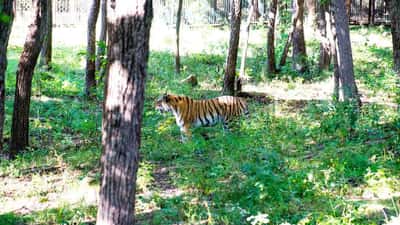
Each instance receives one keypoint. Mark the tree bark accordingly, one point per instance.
(46, 53)
(91, 49)
(371, 12)
(299, 45)
(289, 39)
(324, 49)
(332, 40)
(344, 53)
(230, 70)
(128, 29)
(5, 26)
(101, 48)
(394, 9)
(348, 7)
(240, 79)
(256, 11)
(271, 63)
(26, 66)
(311, 12)
(178, 28)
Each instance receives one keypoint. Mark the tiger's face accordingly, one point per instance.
(165, 103)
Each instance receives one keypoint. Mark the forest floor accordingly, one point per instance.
(298, 159)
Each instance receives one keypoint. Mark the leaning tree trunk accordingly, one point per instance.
(178, 28)
(91, 49)
(271, 63)
(299, 45)
(101, 48)
(241, 77)
(394, 8)
(344, 53)
(26, 66)
(289, 40)
(46, 53)
(230, 70)
(324, 46)
(6, 20)
(128, 29)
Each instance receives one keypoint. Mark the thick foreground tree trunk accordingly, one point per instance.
(91, 49)
(271, 63)
(394, 8)
(26, 66)
(5, 27)
(344, 53)
(101, 48)
(178, 28)
(46, 54)
(128, 29)
(230, 70)
(299, 45)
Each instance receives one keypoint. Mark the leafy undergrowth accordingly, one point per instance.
(294, 161)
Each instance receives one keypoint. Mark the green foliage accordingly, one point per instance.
(292, 161)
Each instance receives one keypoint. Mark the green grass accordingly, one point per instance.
(294, 161)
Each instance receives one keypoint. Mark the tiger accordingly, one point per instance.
(189, 112)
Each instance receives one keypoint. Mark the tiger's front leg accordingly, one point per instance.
(186, 134)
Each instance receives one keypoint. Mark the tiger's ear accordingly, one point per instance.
(166, 97)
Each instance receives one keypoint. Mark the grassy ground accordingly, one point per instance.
(294, 161)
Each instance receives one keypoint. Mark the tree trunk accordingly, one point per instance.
(128, 29)
(230, 70)
(348, 7)
(332, 41)
(289, 39)
(46, 53)
(26, 66)
(256, 11)
(299, 45)
(91, 49)
(324, 49)
(371, 12)
(7, 14)
(101, 48)
(178, 28)
(271, 64)
(344, 53)
(242, 74)
(311, 12)
(394, 8)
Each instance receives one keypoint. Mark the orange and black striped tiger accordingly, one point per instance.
(189, 112)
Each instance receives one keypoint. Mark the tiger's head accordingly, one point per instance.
(166, 103)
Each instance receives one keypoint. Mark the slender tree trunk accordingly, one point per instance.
(242, 74)
(178, 28)
(311, 12)
(101, 48)
(344, 53)
(5, 26)
(230, 70)
(91, 49)
(332, 40)
(394, 9)
(46, 53)
(299, 45)
(128, 28)
(324, 49)
(348, 7)
(271, 63)
(256, 11)
(289, 39)
(26, 66)
(371, 12)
